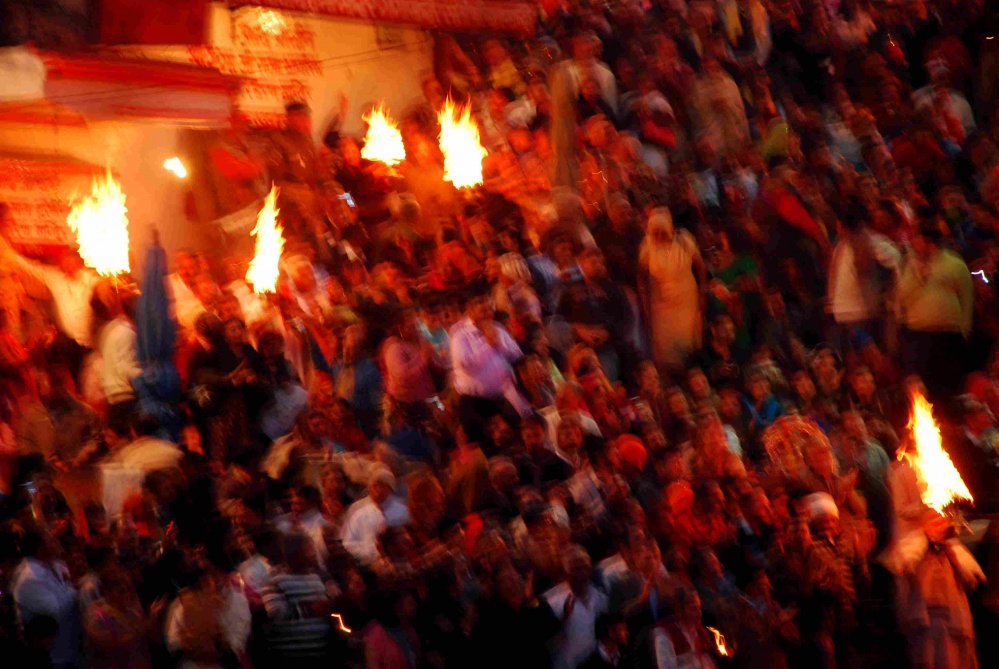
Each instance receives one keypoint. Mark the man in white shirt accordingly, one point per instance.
(482, 357)
(42, 587)
(859, 258)
(367, 518)
(577, 604)
(70, 286)
(116, 343)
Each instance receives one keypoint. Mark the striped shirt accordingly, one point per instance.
(294, 630)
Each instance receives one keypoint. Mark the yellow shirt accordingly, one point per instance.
(936, 296)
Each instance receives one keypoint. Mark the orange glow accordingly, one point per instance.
(723, 648)
(339, 622)
(174, 165)
(263, 271)
(941, 483)
(383, 143)
(459, 142)
(100, 223)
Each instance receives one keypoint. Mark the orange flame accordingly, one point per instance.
(459, 142)
(723, 648)
(339, 622)
(263, 271)
(100, 223)
(383, 142)
(941, 482)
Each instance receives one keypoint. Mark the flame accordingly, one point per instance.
(263, 271)
(100, 223)
(943, 484)
(174, 165)
(723, 648)
(459, 142)
(383, 141)
(339, 622)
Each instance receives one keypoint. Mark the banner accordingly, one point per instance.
(154, 21)
(37, 192)
(513, 16)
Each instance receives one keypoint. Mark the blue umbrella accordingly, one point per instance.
(155, 330)
(158, 386)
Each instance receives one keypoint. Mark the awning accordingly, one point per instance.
(514, 16)
(56, 87)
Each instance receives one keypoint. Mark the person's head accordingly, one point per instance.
(757, 508)
(381, 485)
(480, 309)
(757, 386)
(305, 498)
(298, 118)
(854, 425)
(928, 238)
(676, 401)
(819, 457)
(234, 332)
(38, 545)
(620, 212)
(591, 262)
(578, 567)
(862, 383)
(408, 325)
(188, 266)
(804, 386)
(697, 382)
(569, 434)
(648, 378)
(660, 226)
(977, 416)
(51, 381)
(426, 501)
(722, 330)
(350, 151)
(510, 584)
(354, 340)
(689, 605)
(96, 517)
(611, 630)
(822, 514)
(532, 433)
(299, 553)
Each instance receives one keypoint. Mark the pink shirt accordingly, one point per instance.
(407, 374)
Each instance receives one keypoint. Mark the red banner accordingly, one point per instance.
(154, 21)
(513, 16)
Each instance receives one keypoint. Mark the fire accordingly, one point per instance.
(459, 142)
(723, 648)
(943, 484)
(100, 223)
(383, 142)
(174, 165)
(263, 271)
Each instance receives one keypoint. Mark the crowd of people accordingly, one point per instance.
(641, 399)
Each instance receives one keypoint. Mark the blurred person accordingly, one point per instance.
(612, 642)
(682, 640)
(367, 517)
(42, 587)
(935, 302)
(578, 604)
(860, 274)
(117, 342)
(670, 266)
(209, 622)
(482, 354)
(298, 607)
(57, 425)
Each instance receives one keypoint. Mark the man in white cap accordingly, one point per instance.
(368, 517)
